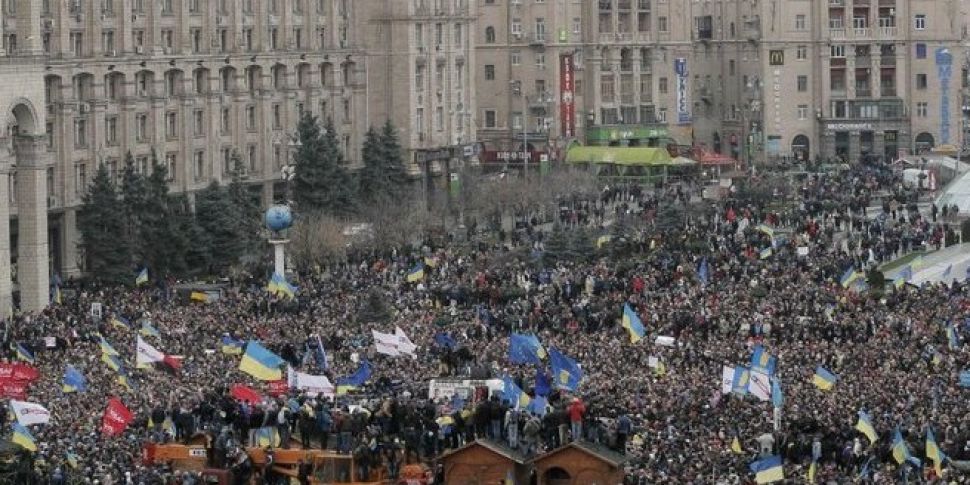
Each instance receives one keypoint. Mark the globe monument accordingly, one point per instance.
(278, 219)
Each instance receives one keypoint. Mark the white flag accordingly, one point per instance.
(385, 343)
(404, 344)
(759, 385)
(313, 385)
(29, 413)
(727, 379)
(146, 355)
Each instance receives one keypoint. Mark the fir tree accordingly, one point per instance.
(372, 186)
(246, 209)
(321, 182)
(134, 196)
(216, 216)
(163, 243)
(556, 247)
(102, 224)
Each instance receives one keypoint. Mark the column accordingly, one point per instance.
(70, 238)
(854, 147)
(6, 286)
(32, 253)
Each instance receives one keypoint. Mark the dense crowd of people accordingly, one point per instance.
(661, 405)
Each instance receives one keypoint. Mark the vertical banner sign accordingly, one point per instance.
(683, 102)
(944, 63)
(567, 102)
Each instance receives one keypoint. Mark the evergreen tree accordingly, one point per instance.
(217, 219)
(321, 182)
(190, 243)
(163, 243)
(556, 247)
(384, 177)
(134, 197)
(581, 246)
(374, 308)
(101, 222)
(246, 209)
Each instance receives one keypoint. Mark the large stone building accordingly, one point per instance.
(421, 58)
(87, 81)
(755, 80)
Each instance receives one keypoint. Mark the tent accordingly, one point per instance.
(627, 162)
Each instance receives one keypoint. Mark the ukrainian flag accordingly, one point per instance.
(142, 277)
(739, 384)
(72, 459)
(57, 295)
(416, 273)
(900, 451)
(148, 330)
(267, 436)
(23, 353)
(763, 361)
(168, 426)
(120, 322)
(824, 379)
(280, 287)
(768, 470)
(766, 229)
(812, 469)
(113, 362)
(765, 253)
(260, 363)
(125, 380)
(430, 262)
(864, 425)
(848, 277)
(22, 437)
(73, 380)
(631, 322)
(106, 348)
(513, 395)
(933, 452)
(231, 345)
(565, 370)
(736, 446)
(952, 338)
(199, 297)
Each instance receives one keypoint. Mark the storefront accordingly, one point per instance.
(628, 135)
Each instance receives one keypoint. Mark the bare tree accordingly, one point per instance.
(317, 240)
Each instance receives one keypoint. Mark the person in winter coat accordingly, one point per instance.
(576, 411)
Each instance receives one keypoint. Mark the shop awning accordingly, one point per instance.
(627, 156)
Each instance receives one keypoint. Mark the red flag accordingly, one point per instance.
(116, 418)
(18, 372)
(245, 394)
(172, 361)
(278, 388)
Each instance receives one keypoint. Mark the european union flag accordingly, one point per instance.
(358, 378)
(565, 370)
(445, 340)
(525, 349)
(539, 406)
(74, 381)
(543, 384)
(514, 395)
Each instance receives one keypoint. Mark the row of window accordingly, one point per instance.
(224, 7)
(143, 123)
(458, 34)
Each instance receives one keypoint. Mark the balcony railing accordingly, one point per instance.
(887, 60)
(836, 33)
(863, 92)
(887, 91)
(888, 32)
(861, 32)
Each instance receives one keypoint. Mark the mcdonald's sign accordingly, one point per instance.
(776, 58)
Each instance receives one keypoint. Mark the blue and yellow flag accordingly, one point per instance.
(23, 438)
(849, 277)
(106, 347)
(736, 446)
(120, 322)
(933, 452)
(267, 436)
(953, 339)
(777, 398)
(355, 380)
(280, 287)
(864, 426)
(565, 371)
(199, 296)
(232, 346)
(812, 470)
(74, 381)
(739, 383)
(72, 459)
(765, 253)
(823, 379)
(113, 362)
(57, 298)
(23, 354)
(260, 363)
(762, 360)
(416, 273)
(125, 380)
(525, 349)
(148, 330)
(142, 277)
(767, 470)
(631, 322)
(765, 229)
(900, 451)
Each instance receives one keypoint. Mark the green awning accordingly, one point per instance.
(630, 156)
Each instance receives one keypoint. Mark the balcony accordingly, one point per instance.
(888, 32)
(887, 91)
(836, 34)
(538, 39)
(643, 5)
(839, 93)
(863, 61)
(887, 61)
(861, 32)
(644, 37)
(863, 91)
(624, 4)
(625, 37)
(751, 33)
(627, 98)
(836, 3)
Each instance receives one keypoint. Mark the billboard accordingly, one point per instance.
(683, 100)
(567, 93)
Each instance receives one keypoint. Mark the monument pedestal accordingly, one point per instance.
(279, 255)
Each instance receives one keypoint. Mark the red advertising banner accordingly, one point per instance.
(116, 418)
(567, 95)
(13, 389)
(18, 372)
(278, 388)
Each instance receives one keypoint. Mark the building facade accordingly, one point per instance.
(192, 81)
(421, 58)
(755, 80)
